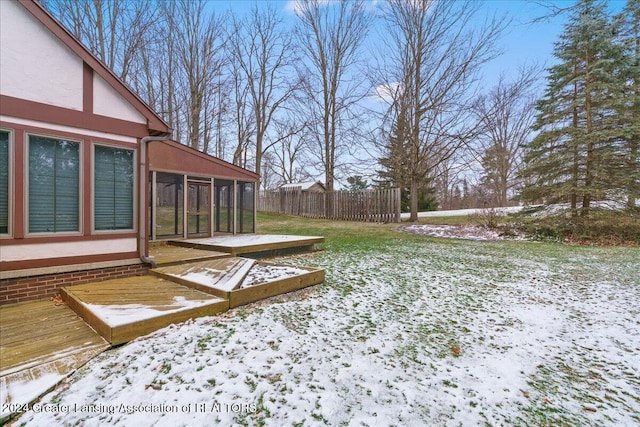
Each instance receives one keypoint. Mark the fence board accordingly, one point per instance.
(367, 205)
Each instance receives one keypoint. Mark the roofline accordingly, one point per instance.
(155, 123)
(209, 157)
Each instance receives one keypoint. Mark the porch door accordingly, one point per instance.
(199, 209)
(224, 206)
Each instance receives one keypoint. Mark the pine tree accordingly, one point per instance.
(629, 33)
(394, 171)
(573, 157)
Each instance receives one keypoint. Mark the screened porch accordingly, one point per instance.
(194, 195)
(209, 206)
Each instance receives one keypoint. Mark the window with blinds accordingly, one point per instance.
(113, 188)
(4, 182)
(54, 185)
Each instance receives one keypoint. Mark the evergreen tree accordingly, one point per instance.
(574, 156)
(393, 162)
(629, 34)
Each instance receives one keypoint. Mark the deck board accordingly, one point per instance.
(124, 309)
(36, 330)
(214, 277)
(40, 344)
(171, 254)
(251, 243)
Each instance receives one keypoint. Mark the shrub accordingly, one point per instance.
(488, 218)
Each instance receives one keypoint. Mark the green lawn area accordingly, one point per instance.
(405, 330)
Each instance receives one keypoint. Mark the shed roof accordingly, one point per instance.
(171, 156)
(303, 185)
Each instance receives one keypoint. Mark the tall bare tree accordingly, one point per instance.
(330, 35)
(244, 120)
(114, 30)
(506, 115)
(264, 57)
(287, 152)
(199, 50)
(434, 51)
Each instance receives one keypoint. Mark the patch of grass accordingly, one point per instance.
(602, 227)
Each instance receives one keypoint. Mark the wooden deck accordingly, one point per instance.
(254, 244)
(171, 255)
(124, 309)
(40, 344)
(215, 277)
(223, 278)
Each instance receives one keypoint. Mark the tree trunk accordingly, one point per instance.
(414, 200)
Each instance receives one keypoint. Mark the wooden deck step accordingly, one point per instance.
(254, 244)
(224, 278)
(172, 255)
(216, 277)
(124, 309)
(41, 343)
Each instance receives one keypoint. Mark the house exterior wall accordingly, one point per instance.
(25, 251)
(31, 60)
(38, 251)
(28, 288)
(54, 93)
(108, 102)
(52, 87)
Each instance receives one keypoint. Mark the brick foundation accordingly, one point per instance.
(48, 285)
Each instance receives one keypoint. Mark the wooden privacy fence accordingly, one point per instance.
(364, 205)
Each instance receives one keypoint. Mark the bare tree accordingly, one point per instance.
(199, 42)
(114, 30)
(263, 56)
(286, 154)
(506, 113)
(434, 52)
(330, 34)
(244, 120)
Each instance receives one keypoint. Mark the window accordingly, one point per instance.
(54, 185)
(113, 188)
(4, 182)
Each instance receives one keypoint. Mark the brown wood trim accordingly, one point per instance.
(171, 155)
(62, 239)
(154, 122)
(87, 88)
(56, 262)
(86, 189)
(31, 110)
(18, 186)
(63, 134)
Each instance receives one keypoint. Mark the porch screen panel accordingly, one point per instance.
(113, 186)
(54, 168)
(169, 205)
(245, 210)
(4, 182)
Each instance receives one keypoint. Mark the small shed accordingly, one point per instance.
(307, 187)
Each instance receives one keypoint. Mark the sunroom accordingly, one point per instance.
(194, 195)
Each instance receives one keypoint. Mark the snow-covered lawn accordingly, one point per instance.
(406, 331)
(463, 231)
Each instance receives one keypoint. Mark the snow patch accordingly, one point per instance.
(465, 232)
(269, 273)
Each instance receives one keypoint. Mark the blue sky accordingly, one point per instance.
(524, 42)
